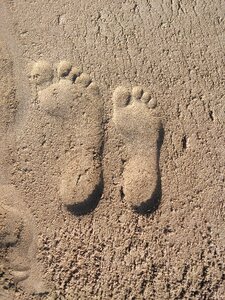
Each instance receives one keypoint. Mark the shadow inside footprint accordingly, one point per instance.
(150, 206)
(89, 204)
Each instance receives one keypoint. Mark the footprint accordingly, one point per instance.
(136, 119)
(17, 240)
(72, 99)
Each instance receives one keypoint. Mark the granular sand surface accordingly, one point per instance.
(112, 117)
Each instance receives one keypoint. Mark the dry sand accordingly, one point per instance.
(112, 117)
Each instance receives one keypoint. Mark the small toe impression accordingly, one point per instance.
(84, 80)
(42, 72)
(121, 97)
(146, 97)
(64, 69)
(137, 92)
(74, 73)
(148, 100)
(152, 103)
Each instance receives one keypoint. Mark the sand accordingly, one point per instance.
(112, 117)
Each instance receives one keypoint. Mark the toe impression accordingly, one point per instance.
(42, 72)
(137, 92)
(121, 97)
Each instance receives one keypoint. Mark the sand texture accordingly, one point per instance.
(112, 150)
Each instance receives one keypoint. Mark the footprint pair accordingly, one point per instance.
(71, 97)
